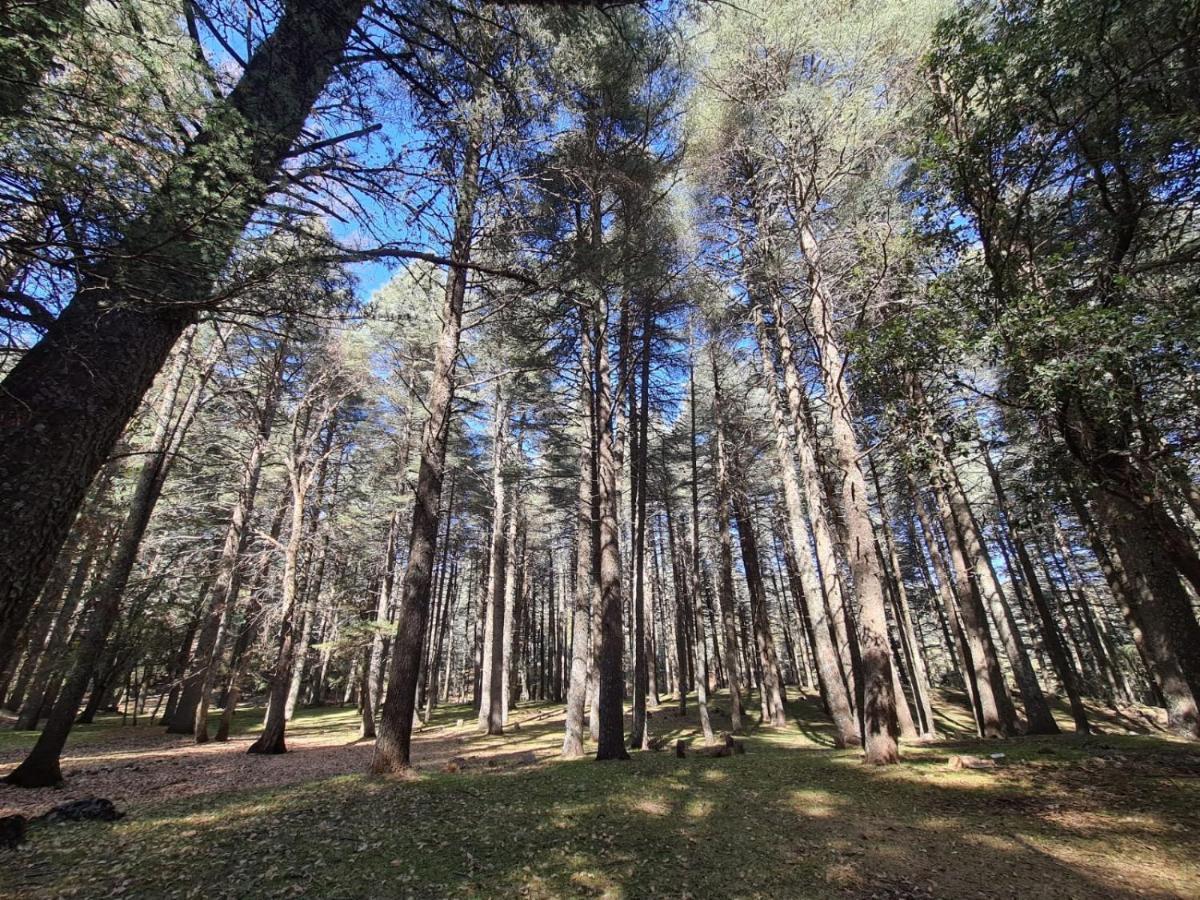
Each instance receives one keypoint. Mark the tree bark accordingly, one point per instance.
(836, 690)
(65, 403)
(879, 702)
(491, 704)
(611, 740)
(581, 618)
(394, 744)
(41, 767)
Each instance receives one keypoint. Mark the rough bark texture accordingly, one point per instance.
(65, 403)
(833, 683)
(41, 767)
(491, 703)
(393, 746)
(611, 740)
(878, 712)
(581, 619)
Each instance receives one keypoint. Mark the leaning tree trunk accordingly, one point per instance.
(393, 745)
(65, 403)
(41, 766)
(834, 687)
(879, 702)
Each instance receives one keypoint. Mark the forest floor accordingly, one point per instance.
(1111, 815)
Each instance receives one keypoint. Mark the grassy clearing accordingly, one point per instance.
(1107, 816)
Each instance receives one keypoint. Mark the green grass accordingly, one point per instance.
(1081, 817)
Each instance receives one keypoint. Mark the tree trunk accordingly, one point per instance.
(41, 766)
(772, 691)
(272, 739)
(908, 633)
(581, 618)
(725, 596)
(66, 401)
(611, 740)
(491, 704)
(393, 746)
(694, 579)
(640, 433)
(836, 690)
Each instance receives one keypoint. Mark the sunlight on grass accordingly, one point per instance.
(506, 825)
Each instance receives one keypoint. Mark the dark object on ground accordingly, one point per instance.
(81, 810)
(657, 743)
(12, 832)
(730, 747)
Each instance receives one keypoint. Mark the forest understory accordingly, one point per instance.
(618, 448)
(1113, 814)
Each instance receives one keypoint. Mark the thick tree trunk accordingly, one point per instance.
(65, 403)
(611, 740)
(1159, 606)
(41, 767)
(878, 712)
(1153, 554)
